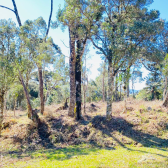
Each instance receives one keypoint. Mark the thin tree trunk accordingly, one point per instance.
(15, 106)
(5, 110)
(110, 91)
(1, 108)
(165, 89)
(165, 102)
(72, 62)
(127, 88)
(125, 99)
(103, 82)
(78, 81)
(84, 90)
(120, 92)
(30, 111)
(40, 74)
(133, 88)
(84, 98)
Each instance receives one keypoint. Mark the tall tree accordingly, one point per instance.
(120, 33)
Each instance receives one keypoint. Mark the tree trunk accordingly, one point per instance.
(1, 108)
(165, 102)
(120, 91)
(133, 87)
(78, 81)
(84, 90)
(116, 98)
(103, 92)
(125, 99)
(165, 89)
(110, 91)
(30, 112)
(40, 74)
(5, 100)
(15, 106)
(127, 88)
(72, 62)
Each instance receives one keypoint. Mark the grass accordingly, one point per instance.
(91, 157)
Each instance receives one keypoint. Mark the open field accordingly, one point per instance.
(136, 138)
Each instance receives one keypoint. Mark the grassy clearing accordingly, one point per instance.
(87, 156)
(135, 138)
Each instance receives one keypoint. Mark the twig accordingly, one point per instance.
(64, 44)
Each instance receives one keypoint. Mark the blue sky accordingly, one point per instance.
(32, 9)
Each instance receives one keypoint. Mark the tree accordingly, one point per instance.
(40, 51)
(7, 71)
(30, 114)
(119, 35)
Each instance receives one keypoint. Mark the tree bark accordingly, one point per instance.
(116, 98)
(103, 92)
(2, 92)
(127, 88)
(84, 90)
(78, 81)
(165, 89)
(110, 90)
(30, 112)
(5, 100)
(120, 91)
(72, 61)
(15, 106)
(40, 74)
(133, 87)
(165, 102)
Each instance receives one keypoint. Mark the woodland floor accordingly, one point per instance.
(136, 138)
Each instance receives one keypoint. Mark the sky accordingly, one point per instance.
(32, 9)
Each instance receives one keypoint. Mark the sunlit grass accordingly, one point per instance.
(88, 157)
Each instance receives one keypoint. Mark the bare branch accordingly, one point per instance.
(7, 8)
(64, 44)
(16, 13)
(98, 47)
(49, 21)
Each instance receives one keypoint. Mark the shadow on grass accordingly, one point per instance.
(68, 152)
(125, 128)
(99, 123)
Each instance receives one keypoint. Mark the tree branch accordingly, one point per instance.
(16, 13)
(7, 8)
(98, 47)
(49, 21)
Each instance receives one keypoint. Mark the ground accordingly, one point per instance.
(135, 138)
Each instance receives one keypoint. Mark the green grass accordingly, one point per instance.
(85, 156)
